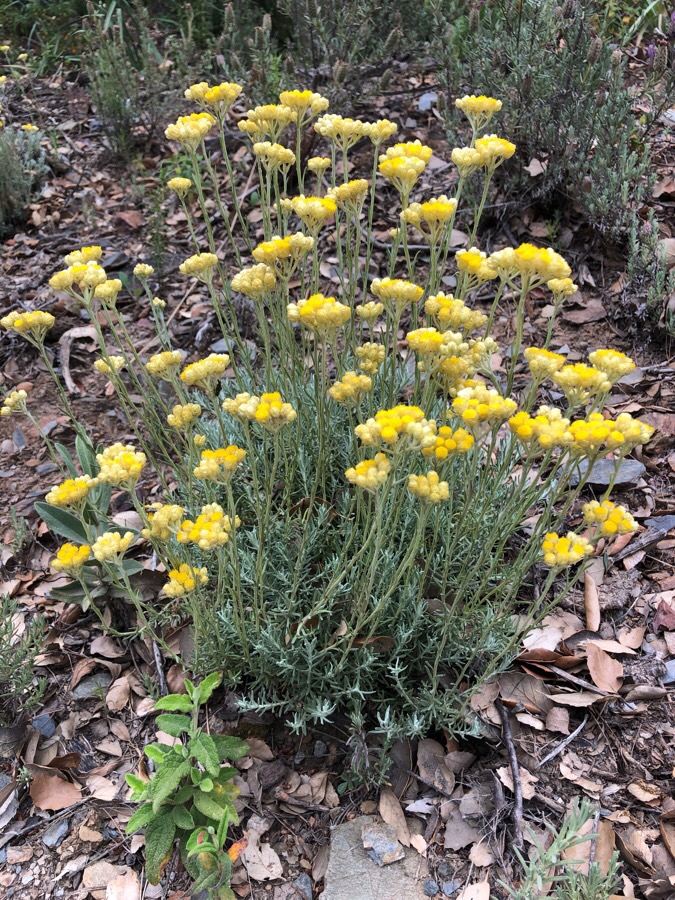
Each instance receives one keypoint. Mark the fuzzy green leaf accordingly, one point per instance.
(86, 455)
(203, 748)
(156, 752)
(183, 818)
(169, 775)
(173, 725)
(61, 522)
(140, 818)
(229, 747)
(208, 806)
(159, 837)
(64, 453)
(136, 784)
(208, 686)
(174, 703)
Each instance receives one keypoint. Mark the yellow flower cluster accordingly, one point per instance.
(284, 253)
(190, 131)
(211, 529)
(120, 465)
(380, 131)
(107, 291)
(205, 373)
(370, 356)
(111, 366)
(306, 104)
(72, 492)
(164, 520)
(184, 415)
(218, 98)
(179, 186)
(255, 282)
(535, 265)
(478, 110)
(402, 171)
(429, 487)
(612, 363)
(14, 403)
(268, 410)
(164, 365)
(448, 443)
(610, 519)
(543, 363)
(401, 427)
(86, 275)
(320, 314)
(185, 579)
(31, 325)
(561, 287)
(395, 293)
(409, 150)
(84, 255)
(219, 465)
(343, 132)
(351, 196)
(480, 406)
(548, 429)
(580, 382)
(314, 211)
(70, 559)
(267, 121)
(475, 264)
(455, 314)
(369, 311)
(318, 164)
(430, 342)
(273, 156)
(370, 474)
(201, 266)
(143, 271)
(350, 388)
(595, 434)
(435, 214)
(560, 552)
(111, 546)
(488, 153)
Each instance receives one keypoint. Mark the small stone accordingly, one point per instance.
(303, 885)
(451, 887)
(55, 833)
(93, 686)
(46, 468)
(445, 869)
(89, 835)
(430, 887)
(17, 855)
(381, 843)
(669, 677)
(320, 749)
(19, 438)
(630, 472)
(3, 856)
(44, 723)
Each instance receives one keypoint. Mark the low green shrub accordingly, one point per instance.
(21, 691)
(23, 169)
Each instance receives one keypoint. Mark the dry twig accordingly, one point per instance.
(517, 815)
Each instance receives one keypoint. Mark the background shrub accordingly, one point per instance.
(23, 168)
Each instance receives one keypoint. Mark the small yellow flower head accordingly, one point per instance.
(199, 440)
(546, 431)
(350, 387)
(273, 413)
(218, 99)
(318, 165)
(380, 131)
(87, 275)
(409, 150)
(200, 266)
(369, 311)
(184, 416)
(185, 579)
(341, 131)
(595, 434)
(306, 104)
(273, 156)
(351, 196)
(478, 110)
(429, 487)
(453, 372)
(22, 57)
(449, 313)
(402, 171)
(180, 186)
(219, 465)
(434, 214)
(612, 520)
(425, 341)
(164, 520)
(29, 126)
(467, 160)
(314, 211)
(561, 287)
(158, 303)
(3, 79)
(580, 382)
(539, 264)
(70, 559)
(476, 265)
(284, 254)
(210, 530)
(479, 407)
(448, 443)
(396, 294)
(256, 282)
(320, 314)
(370, 474)
(560, 552)
(14, 403)
(31, 325)
(370, 356)
(4, 48)
(164, 365)
(84, 255)
(72, 493)
(112, 546)
(634, 432)
(107, 292)
(61, 281)
(111, 366)
(195, 93)
(543, 363)
(190, 131)
(494, 150)
(267, 121)
(612, 363)
(401, 427)
(206, 373)
(120, 465)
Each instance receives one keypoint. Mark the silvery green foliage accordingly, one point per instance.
(21, 691)
(23, 168)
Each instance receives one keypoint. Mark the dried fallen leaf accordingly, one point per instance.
(96, 878)
(458, 832)
(481, 855)
(591, 603)
(118, 694)
(124, 887)
(592, 311)
(580, 698)
(391, 812)
(431, 765)
(558, 719)
(527, 780)
(52, 792)
(480, 891)
(418, 842)
(611, 646)
(261, 861)
(259, 749)
(106, 646)
(607, 673)
(102, 788)
(645, 792)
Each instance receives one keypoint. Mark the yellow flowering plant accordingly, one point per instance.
(349, 520)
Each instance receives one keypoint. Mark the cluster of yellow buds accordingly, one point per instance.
(84, 275)
(219, 465)
(268, 410)
(401, 428)
(534, 265)
(206, 373)
(475, 265)
(313, 211)
(480, 407)
(284, 253)
(612, 363)
(547, 430)
(396, 294)
(350, 388)
(110, 367)
(273, 156)
(72, 492)
(255, 282)
(341, 131)
(31, 325)
(580, 382)
(185, 579)
(369, 311)
(561, 288)
(478, 110)
(370, 474)
(429, 487)
(200, 266)
(488, 153)
(434, 214)
(320, 314)
(184, 415)
(163, 520)
(318, 165)
(180, 186)
(164, 365)
(84, 255)
(211, 529)
(560, 552)
(70, 558)
(14, 403)
(450, 313)
(306, 104)
(120, 465)
(595, 434)
(610, 520)
(430, 342)
(143, 271)
(111, 546)
(350, 196)
(543, 363)
(370, 356)
(218, 98)
(448, 443)
(107, 292)
(267, 121)
(379, 131)
(402, 171)
(190, 131)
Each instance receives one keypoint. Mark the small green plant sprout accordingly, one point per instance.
(191, 795)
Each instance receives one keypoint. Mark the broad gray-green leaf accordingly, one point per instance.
(159, 837)
(61, 522)
(140, 818)
(203, 748)
(169, 775)
(208, 806)
(182, 818)
(173, 725)
(229, 747)
(174, 703)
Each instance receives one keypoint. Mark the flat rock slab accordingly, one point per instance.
(352, 874)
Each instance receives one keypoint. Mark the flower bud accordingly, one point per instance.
(616, 59)
(595, 50)
(474, 19)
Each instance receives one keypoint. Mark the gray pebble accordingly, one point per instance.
(430, 887)
(303, 885)
(55, 833)
(320, 749)
(451, 887)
